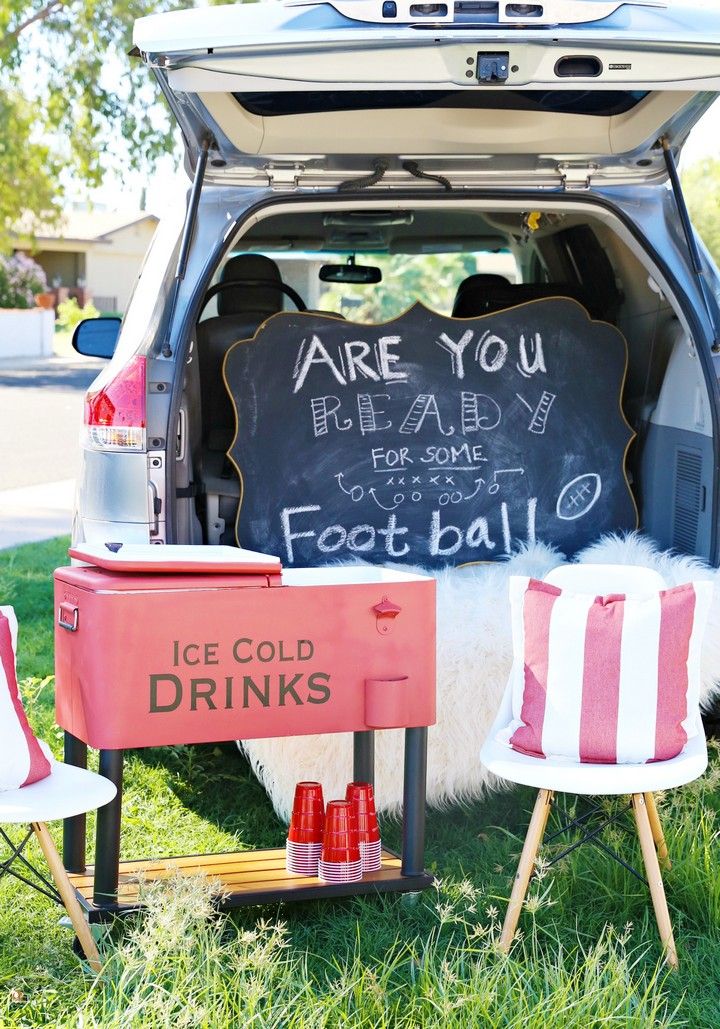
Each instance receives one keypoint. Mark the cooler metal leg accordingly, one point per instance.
(413, 851)
(364, 756)
(107, 841)
(75, 753)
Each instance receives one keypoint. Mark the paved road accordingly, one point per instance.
(40, 417)
(41, 406)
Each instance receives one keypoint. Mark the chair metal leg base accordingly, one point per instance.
(593, 836)
(17, 859)
(58, 888)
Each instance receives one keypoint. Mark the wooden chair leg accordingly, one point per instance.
(67, 893)
(533, 839)
(658, 835)
(657, 891)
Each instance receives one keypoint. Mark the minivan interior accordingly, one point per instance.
(499, 257)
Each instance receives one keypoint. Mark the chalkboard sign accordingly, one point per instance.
(429, 439)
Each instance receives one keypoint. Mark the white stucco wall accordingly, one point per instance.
(26, 333)
(112, 266)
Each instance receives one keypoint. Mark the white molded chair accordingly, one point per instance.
(67, 791)
(551, 775)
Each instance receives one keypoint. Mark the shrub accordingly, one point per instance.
(20, 279)
(69, 313)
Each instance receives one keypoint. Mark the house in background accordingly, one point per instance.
(93, 255)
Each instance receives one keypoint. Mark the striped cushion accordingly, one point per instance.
(22, 760)
(612, 679)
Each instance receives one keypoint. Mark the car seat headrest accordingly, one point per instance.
(477, 285)
(256, 300)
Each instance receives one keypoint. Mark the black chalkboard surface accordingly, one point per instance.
(429, 439)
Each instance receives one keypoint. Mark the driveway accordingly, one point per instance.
(41, 405)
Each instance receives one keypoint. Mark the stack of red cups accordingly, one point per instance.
(340, 859)
(362, 798)
(305, 835)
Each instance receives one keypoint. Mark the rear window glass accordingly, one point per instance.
(598, 102)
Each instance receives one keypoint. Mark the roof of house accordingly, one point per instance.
(86, 226)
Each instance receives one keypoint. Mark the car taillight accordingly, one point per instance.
(115, 413)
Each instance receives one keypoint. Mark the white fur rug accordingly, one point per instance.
(473, 662)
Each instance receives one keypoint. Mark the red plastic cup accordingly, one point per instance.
(340, 860)
(307, 822)
(362, 798)
(308, 797)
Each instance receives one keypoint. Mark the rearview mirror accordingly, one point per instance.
(96, 337)
(351, 272)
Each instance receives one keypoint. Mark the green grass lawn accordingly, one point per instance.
(588, 954)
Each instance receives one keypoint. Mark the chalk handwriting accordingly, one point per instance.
(323, 409)
(368, 413)
(434, 458)
(533, 362)
(456, 350)
(424, 406)
(479, 412)
(538, 422)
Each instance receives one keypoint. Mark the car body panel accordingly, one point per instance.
(246, 74)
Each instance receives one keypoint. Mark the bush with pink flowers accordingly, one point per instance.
(21, 279)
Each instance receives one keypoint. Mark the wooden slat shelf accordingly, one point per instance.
(245, 877)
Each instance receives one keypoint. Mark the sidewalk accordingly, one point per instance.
(31, 514)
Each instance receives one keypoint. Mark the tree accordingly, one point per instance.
(71, 98)
(701, 185)
(28, 170)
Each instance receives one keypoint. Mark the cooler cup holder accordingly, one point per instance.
(387, 702)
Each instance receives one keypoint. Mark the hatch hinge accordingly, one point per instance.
(284, 176)
(576, 176)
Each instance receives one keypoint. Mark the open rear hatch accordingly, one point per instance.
(479, 91)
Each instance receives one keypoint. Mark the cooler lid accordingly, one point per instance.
(175, 559)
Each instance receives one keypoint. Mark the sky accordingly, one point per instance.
(704, 139)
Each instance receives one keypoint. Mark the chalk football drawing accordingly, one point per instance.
(578, 497)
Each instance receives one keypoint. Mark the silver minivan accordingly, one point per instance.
(324, 136)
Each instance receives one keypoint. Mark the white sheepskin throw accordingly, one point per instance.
(474, 654)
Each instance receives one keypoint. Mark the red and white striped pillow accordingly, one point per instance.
(612, 679)
(22, 758)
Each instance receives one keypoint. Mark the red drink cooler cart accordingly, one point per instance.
(147, 659)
